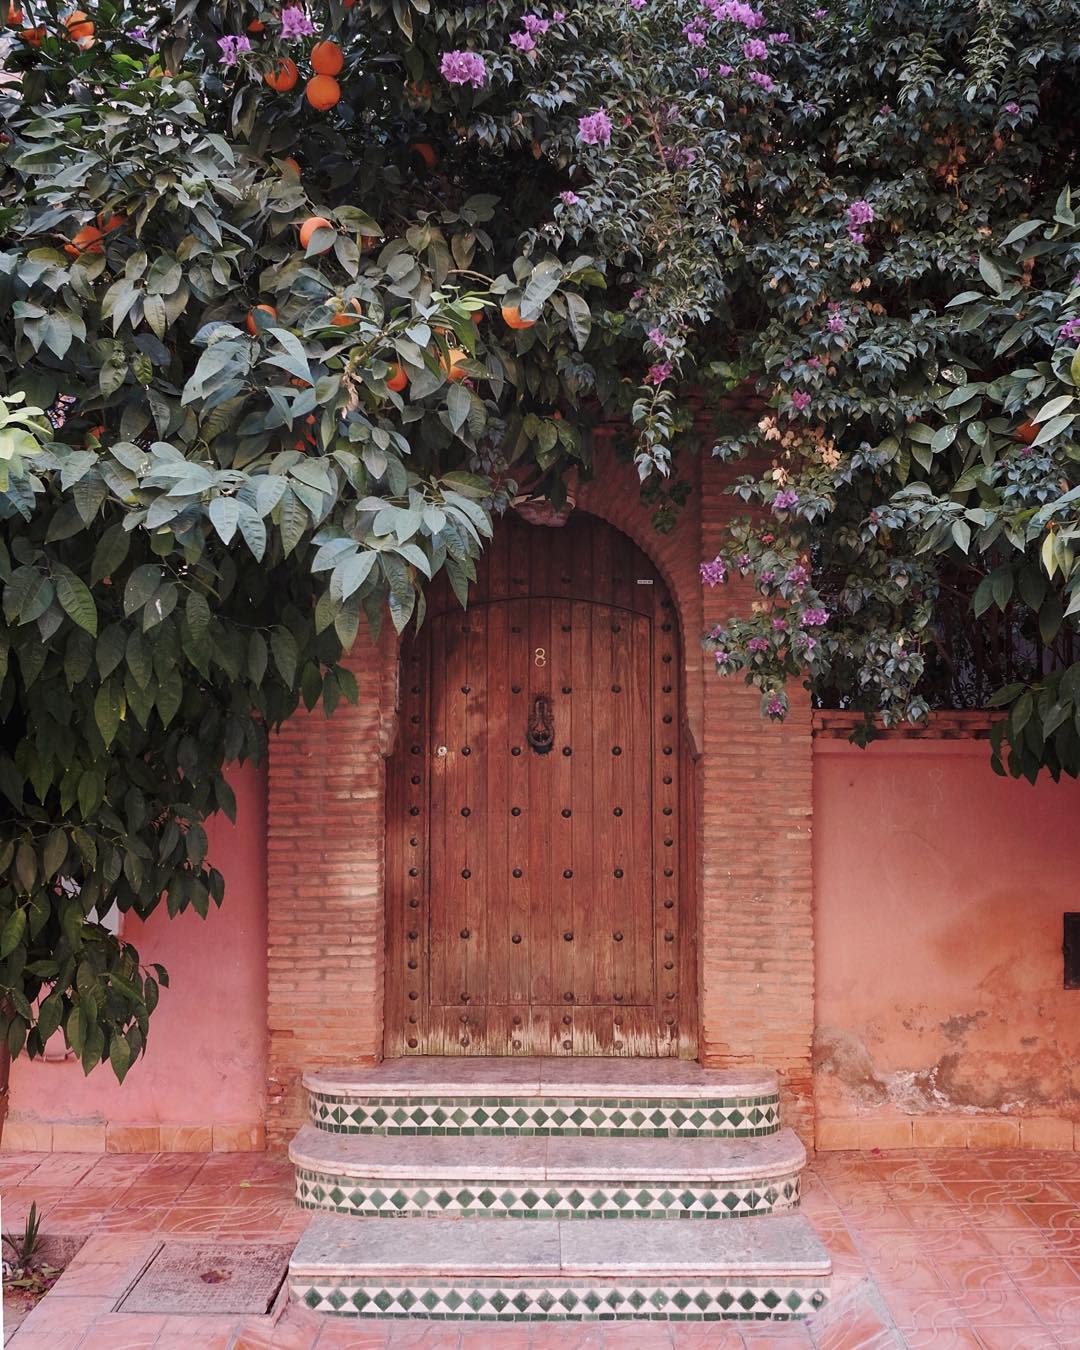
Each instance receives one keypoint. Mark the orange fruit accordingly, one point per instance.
(322, 92)
(512, 317)
(326, 58)
(478, 316)
(425, 152)
(14, 17)
(347, 317)
(457, 369)
(80, 28)
(256, 26)
(86, 240)
(309, 227)
(1026, 432)
(252, 326)
(107, 221)
(398, 380)
(284, 76)
(33, 36)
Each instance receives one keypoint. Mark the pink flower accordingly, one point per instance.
(798, 575)
(659, 372)
(702, 72)
(835, 324)
(784, 501)
(779, 38)
(295, 23)
(800, 400)
(814, 617)
(722, 658)
(524, 42)
(464, 68)
(775, 706)
(755, 50)
(724, 70)
(758, 644)
(569, 198)
(595, 128)
(1012, 108)
(558, 16)
(713, 573)
(657, 338)
(231, 47)
(533, 23)
(859, 213)
(762, 80)
(637, 4)
(779, 625)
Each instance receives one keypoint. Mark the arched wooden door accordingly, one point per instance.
(536, 885)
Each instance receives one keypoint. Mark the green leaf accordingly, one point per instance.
(107, 711)
(12, 932)
(77, 602)
(286, 656)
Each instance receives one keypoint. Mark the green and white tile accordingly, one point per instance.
(600, 1097)
(369, 1176)
(733, 1117)
(775, 1269)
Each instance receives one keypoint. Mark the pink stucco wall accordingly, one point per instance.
(202, 1081)
(939, 893)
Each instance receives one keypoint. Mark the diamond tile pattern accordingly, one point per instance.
(491, 1198)
(563, 1300)
(728, 1117)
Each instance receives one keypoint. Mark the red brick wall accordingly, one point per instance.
(325, 882)
(755, 937)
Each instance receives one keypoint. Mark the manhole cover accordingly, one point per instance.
(223, 1278)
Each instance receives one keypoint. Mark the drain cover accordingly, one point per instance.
(220, 1278)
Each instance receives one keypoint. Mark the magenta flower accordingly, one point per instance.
(798, 575)
(735, 11)
(295, 23)
(533, 23)
(702, 72)
(713, 573)
(762, 80)
(814, 617)
(835, 324)
(569, 198)
(800, 400)
(1069, 331)
(775, 706)
(722, 658)
(595, 128)
(1012, 108)
(755, 50)
(231, 47)
(859, 213)
(695, 37)
(768, 576)
(464, 68)
(779, 625)
(659, 372)
(784, 501)
(780, 38)
(656, 337)
(806, 642)
(637, 4)
(758, 644)
(524, 42)
(724, 70)
(742, 562)
(558, 16)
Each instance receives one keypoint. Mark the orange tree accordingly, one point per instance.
(290, 298)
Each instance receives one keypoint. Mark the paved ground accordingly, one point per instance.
(941, 1249)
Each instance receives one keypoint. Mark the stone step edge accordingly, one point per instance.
(624, 1161)
(774, 1269)
(550, 1081)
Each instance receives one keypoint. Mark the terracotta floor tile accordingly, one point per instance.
(1059, 1310)
(976, 1274)
(997, 1307)
(1016, 1338)
(1043, 1273)
(123, 1331)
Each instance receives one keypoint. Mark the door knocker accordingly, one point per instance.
(541, 732)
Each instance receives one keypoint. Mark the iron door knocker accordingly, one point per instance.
(541, 732)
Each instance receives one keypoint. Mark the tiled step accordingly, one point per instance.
(558, 1177)
(656, 1097)
(523, 1270)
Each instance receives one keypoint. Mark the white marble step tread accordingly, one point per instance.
(434, 1076)
(550, 1158)
(767, 1248)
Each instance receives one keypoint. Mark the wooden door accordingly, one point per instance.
(536, 888)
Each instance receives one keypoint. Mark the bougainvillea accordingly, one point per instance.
(264, 316)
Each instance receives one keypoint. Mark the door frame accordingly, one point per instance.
(395, 1039)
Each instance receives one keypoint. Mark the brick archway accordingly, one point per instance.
(326, 953)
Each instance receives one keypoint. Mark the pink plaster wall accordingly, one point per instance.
(204, 1072)
(939, 891)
